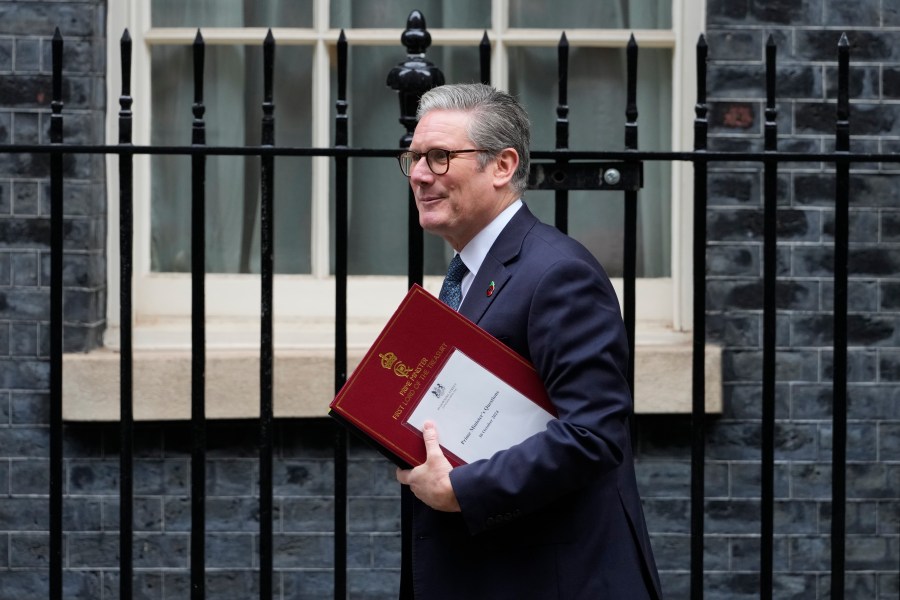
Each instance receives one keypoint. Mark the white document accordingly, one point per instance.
(476, 413)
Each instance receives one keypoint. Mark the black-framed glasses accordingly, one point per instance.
(437, 159)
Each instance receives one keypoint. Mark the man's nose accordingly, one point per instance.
(420, 171)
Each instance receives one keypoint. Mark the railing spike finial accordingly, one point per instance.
(771, 71)
(700, 108)
(57, 59)
(125, 100)
(484, 55)
(631, 110)
(341, 136)
(268, 105)
(562, 106)
(416, 37)
(843, 95)
(199, 56)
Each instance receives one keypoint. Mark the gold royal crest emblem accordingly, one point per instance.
(389, 361)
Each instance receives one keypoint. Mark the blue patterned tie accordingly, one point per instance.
(451, 291)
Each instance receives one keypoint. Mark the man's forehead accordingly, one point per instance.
(442, 124)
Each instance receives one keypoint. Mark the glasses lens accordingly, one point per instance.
(438, 160)
(406, 162)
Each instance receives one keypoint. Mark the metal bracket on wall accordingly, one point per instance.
(610, 176)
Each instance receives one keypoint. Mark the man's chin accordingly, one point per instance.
(430, 224)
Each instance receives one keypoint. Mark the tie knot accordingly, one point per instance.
(451, 291)
(457, 269)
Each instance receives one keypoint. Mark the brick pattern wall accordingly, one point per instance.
(806, 32)
(303, 515)
(26, 30)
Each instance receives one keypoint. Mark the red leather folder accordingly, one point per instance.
(397, 371)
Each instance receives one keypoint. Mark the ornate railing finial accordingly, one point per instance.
(414, 76)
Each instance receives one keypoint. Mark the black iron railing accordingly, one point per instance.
(559, 169)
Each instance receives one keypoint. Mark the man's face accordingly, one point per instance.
(462, 201)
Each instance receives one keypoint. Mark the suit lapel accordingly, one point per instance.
(494, 273)
(488, 284)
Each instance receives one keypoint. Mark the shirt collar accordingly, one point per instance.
(474, 252)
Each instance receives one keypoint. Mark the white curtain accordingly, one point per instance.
(173, 97)
(233, 99)
(597, 102)
(378, 192)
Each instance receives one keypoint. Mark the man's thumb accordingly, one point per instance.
(430, 435)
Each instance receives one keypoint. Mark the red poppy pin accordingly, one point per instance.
(490, 290)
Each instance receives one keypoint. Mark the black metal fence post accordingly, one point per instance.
(342, 224)
(561, 197)
(698, 372)
(629, 262)
(408, 79)
(770, 232)
(411, 79)
(266, 351)
(198, 332)
(839, 366)
(126, 398)
(56, 324)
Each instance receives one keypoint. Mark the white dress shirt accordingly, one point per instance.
(474, 252)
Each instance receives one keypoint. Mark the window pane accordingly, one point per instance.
(608, 14)
(393, 13)
(378, 190)
(597, 121)
(233, 99)
(231, 13)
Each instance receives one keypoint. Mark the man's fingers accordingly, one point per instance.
(432, 446)
(402, 476)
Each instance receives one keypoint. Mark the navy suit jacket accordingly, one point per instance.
(557, 516)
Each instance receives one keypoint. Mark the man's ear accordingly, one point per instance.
(505, 165)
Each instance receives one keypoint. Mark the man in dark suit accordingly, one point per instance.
(557, 516)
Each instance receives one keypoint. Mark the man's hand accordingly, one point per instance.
(430, 481)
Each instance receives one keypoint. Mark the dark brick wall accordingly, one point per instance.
(806, 32)
(303, 515)
(26, 30)
(25, 58)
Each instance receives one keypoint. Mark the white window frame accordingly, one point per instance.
(304, 304)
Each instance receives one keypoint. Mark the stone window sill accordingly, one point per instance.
(304, 379)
